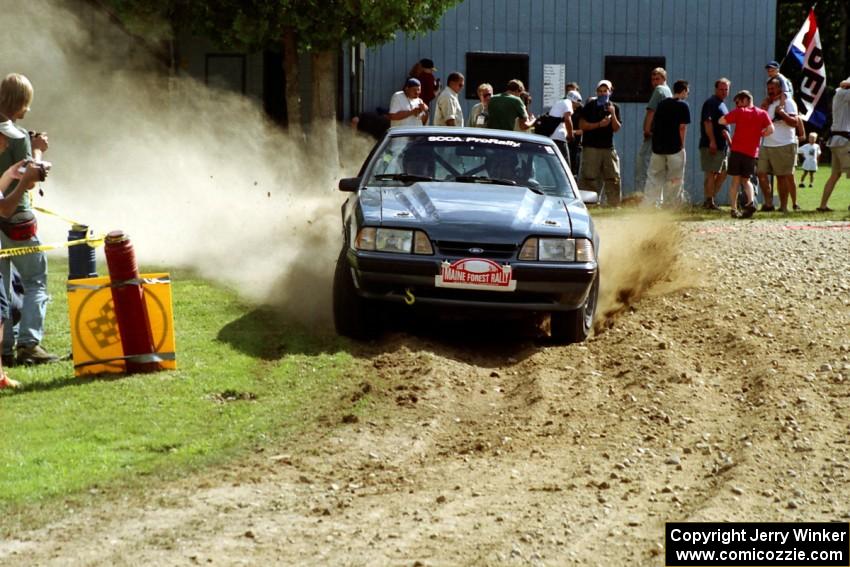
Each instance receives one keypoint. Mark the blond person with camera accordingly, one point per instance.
(19, 230)
(23, 175)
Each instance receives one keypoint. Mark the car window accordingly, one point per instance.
(469, 158)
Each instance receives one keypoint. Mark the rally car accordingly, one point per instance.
(466, 218)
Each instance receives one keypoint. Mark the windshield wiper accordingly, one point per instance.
(406, 177)
(484, 179)
(495, 181)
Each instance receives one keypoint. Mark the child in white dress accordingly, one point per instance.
(810, 152)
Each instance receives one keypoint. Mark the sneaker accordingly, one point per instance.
(34, 354)
(797, 208)
(6, 382)
(736, 214)
(767, 208)
(823, 210)
(783, 210)
(810, 185)
(803, 185)
(749, 211)
(710, 205)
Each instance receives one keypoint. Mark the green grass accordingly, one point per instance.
(245, 379)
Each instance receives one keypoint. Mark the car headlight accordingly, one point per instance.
(558, 250)
(394, 240)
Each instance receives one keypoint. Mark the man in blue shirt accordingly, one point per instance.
(714, 143)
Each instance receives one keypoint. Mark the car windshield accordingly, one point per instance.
(471, 159)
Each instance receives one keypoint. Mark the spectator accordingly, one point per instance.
(779, 150)
(22, 183)
(660, 91)
(786, 88)
(574, 145)
(507, 107)
(449, 112)
(666, 176)
(525, 97)
(406, 108)
(423, 71)
(600, 165)
(478, 114)
(563, 109)
(751, 124)
(839, 141)
(20, 230)
(811, 154)
(714, 143)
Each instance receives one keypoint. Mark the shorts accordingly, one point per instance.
(600, 163)
(741, 165)
(716, 163)
(779, 160)
(841, 159)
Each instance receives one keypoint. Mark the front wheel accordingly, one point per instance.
(574, 326)
(354, 317)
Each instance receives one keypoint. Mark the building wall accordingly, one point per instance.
(701, 40)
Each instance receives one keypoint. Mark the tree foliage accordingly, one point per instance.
(317, 24)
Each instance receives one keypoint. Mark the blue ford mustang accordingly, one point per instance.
(466, 218)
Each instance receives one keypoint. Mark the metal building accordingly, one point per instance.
(574, 40)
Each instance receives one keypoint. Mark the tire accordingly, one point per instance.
(574, 326)
(354, 317)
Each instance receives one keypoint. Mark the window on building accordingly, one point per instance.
(631, 76)
(496, 69)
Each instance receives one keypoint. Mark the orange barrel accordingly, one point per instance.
(128, 297)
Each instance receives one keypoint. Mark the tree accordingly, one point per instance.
(317, 27)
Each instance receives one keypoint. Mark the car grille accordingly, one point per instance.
(488, 250)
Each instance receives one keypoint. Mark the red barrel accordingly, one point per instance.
(128, 296)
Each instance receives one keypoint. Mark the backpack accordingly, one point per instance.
(545, 125)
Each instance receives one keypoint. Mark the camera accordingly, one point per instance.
(43, 166)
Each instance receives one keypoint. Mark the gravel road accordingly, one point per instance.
(717, 387)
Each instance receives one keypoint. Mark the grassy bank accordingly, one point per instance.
(245, 378)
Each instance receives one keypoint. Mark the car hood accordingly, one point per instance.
(476, 211)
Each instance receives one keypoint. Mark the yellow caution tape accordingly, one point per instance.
(58, 216)
(93, 241)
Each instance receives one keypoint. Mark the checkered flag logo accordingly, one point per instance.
(104, 328)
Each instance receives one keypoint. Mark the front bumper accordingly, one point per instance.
(540, 286)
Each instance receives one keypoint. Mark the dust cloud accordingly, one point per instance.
(640, 254)
(199, 178)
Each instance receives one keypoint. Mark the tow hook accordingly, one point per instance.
(409, 298)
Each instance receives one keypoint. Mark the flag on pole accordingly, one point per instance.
(806, 50)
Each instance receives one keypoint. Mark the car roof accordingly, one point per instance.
(455, 131)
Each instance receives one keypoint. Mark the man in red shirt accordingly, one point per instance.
(751, 124)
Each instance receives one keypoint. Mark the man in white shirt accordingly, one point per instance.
(449, 112)
(563, 109)
(406, 108)
(778, 154)
(839, 141)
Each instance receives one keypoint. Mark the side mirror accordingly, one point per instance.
(349, 184)
(589, 197)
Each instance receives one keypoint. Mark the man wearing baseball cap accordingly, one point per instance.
(406, 108)
(600, 164)
(424, 72)
(772, 70)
